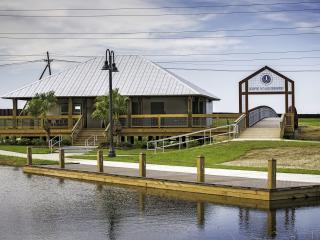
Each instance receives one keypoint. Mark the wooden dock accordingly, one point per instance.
(234, 187)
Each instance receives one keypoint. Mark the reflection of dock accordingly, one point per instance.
(236, 187)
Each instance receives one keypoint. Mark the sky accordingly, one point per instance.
(231, 45)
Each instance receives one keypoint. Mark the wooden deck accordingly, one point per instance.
(242, 188)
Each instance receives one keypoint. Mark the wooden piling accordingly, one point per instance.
(142, 165)
(272, 174)
(29, 156)
(61, 158)
(100, 160)
(200, 169)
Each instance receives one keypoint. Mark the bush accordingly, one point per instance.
(65, 142)
(38, 142)
(11, 141)
(2, 140)
(24, 141)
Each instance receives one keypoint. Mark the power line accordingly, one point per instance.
(162, 7)
(21, 55)
(161, 14)
(163, 38)
(239, 60)
(158, 32)
(234, 70)
(19, 63)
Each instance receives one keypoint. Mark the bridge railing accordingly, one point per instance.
(257, 114)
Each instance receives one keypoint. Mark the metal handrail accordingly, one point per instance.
(91, 141)
(240, 124)
(76, 129)
(52, 143)
(208, 137)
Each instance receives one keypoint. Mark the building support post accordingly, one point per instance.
(200, 169)
(272, 174)
(189, 111)
(100, 160)
(247, 103)
(286, 96)
(240, 97)
(129, 112)
(29, 156)
(14, 112)
(70, 121)
(142, 165)
(61, 158)
(292, 96)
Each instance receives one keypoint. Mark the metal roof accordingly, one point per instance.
(137, 76)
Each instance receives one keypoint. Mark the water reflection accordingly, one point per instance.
(53, 208)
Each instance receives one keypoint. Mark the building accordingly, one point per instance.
(160, 102)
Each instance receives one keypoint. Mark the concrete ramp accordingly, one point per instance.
(266, 129)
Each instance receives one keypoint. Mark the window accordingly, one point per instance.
(157, 108)
(64, 109)
(77, 109)
(136, 108)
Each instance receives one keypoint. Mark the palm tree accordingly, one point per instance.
(120, 107)
(39, 106)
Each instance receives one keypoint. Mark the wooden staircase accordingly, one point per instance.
(87, 133)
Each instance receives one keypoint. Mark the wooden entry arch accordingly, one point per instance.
(266, 81)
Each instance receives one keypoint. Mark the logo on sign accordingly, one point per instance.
(266, 79)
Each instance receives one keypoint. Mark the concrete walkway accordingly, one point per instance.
(178, 169)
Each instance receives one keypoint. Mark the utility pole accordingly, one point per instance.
(48, 65)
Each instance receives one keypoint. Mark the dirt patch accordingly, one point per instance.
(288, 157)
(308, 133)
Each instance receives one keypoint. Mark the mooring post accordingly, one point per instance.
(29, 156)
(142, 165)
(272, 173)
(200, 168)
(100, 160)
(61, 158)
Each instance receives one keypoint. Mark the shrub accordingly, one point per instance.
(2, 140)
(24, 141)
(11, 141)
(65, 142)
(38, 142)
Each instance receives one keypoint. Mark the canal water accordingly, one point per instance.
(37, 207)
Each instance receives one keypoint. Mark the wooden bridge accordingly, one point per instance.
(265, 124)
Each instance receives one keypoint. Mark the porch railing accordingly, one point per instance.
(177, 120)
(29, 122)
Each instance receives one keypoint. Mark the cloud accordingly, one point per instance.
(104, 24)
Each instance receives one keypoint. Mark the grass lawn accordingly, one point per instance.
(215, 155)
(315, 122)
(20, 162)
(23, 149)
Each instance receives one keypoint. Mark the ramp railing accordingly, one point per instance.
(56, 141)
(240, 125)
(207, 136)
